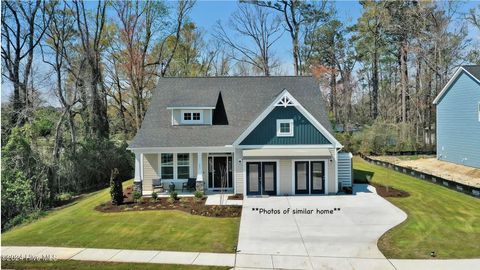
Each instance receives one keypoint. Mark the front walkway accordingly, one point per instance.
(221, 199)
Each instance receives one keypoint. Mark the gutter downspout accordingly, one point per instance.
(336, 168)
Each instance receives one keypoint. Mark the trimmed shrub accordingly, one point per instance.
(198, 194)
(136, 196)
(174, 195)
(154, 196)
(116, 189)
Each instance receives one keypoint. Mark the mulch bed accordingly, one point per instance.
(389, 191)
(235, 197)
(191, 205)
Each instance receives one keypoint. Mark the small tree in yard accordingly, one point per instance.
(116, 189)
(223, 182)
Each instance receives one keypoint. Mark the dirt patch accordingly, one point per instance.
(430, 165)
(386, 191)
(236, 197)
(191, 205)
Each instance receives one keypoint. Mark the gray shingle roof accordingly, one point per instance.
(474, 70)
(244, 98)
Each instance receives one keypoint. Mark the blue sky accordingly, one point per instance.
(206, 13)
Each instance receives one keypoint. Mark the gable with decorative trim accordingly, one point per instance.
(285, 100)
(304, 132)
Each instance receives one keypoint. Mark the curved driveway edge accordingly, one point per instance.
(350, 232)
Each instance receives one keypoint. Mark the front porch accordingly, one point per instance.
(184, 172)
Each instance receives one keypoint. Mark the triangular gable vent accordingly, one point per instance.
(285, 101)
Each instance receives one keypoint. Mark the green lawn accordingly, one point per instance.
(79, 225)
(83, 265)
(439, 219)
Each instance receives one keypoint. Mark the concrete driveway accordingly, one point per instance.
(351, 231)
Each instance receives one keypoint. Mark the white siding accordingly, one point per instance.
(177, 117)
(238, 178)
(150, 172)
(345, 169)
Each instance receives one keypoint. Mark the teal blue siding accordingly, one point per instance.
(266, 132)
(458, 126)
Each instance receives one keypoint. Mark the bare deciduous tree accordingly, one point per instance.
(261, 28)
(139, 23)
(91, 36)
(296, 15)
(23, 26)
(165, 56)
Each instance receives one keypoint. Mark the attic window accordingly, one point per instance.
(192, 117)
(285, 127)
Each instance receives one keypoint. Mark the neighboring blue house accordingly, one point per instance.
(458, 118)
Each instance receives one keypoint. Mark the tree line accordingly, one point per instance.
(82, 74)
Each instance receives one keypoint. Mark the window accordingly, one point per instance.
(285, 127)
(167, 165)
(183, 166)
(192, 117)
(175, 166)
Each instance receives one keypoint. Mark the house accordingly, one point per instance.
(458, 118)
(246, 135)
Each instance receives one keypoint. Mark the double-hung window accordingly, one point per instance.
(183, 166)
(175, 166)
(285, 127)
(167, 166)
(192, 117)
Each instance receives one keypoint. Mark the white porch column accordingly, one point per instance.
(199, 184)
(336, 170)
(138, 172)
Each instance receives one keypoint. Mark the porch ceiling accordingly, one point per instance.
(277, 152)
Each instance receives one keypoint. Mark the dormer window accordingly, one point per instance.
(192, 117)
(285, 127)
